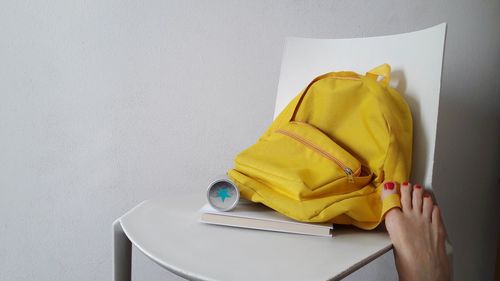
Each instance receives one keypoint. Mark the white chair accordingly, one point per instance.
(167, 229)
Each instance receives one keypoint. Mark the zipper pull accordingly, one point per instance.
(349, 173)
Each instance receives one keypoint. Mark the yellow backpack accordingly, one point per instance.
(325, 157)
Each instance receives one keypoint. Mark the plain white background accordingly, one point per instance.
(106, 103)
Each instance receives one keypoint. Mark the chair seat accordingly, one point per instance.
(167, 230)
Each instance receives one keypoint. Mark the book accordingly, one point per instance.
(258, 216)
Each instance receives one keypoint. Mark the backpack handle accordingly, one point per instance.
(383, 70)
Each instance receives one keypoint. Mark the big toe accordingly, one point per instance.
(389, 189)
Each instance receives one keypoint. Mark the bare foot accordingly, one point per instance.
(418, 235)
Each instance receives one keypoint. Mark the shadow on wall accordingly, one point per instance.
(420, 139)
(466, 177)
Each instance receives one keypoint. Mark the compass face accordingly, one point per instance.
(223, 195)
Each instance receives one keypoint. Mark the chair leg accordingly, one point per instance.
(122, 254)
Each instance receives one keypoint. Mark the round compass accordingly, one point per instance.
(223, 195)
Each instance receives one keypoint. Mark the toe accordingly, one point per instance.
(389, 188)
(406, 191)
(392, 220)
(417, 195)
(427, 207)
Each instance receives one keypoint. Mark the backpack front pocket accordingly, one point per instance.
(301, 161)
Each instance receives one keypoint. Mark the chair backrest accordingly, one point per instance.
(416, 59)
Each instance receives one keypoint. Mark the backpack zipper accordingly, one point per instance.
(348, 171)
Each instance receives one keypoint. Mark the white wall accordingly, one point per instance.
(106, 103)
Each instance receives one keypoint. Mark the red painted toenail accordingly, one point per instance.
(389, 185)
(426, 195)
(418, 186)
(405, 183)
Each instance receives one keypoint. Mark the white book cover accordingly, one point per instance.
(259, 216)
